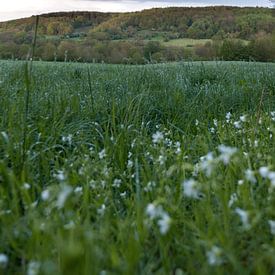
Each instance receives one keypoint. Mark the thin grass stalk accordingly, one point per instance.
(90, 86)
(28, 78)
(260, 106)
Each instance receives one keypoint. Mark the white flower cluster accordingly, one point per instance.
(209, 162)
(272, 226)
(157, 213)
(68, 139)
(33, 268)
(226, 153)
(4, 259)
(267, 174)
(157, 137)
(214, 256)
(244, 217)
(191, 189)
(239, 123)
(63, 195)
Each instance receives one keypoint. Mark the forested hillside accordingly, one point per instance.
(151, 35)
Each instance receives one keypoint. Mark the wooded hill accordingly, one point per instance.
(95, 32)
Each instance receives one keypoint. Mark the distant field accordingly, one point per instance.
(156, 169)
(189, 43)
(186, 42)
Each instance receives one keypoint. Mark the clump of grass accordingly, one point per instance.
(142, 169)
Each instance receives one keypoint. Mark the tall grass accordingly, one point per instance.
(164, 169)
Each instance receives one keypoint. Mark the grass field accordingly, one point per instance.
(190, 43)
(157, 169)
(186, 42)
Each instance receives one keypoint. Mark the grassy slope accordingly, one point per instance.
(77, 204)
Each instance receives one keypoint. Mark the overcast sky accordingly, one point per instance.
(11, 9)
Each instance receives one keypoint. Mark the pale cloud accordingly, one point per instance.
(11, 9)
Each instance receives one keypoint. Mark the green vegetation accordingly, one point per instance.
(187, 42)
(183, 34)
(114, 169)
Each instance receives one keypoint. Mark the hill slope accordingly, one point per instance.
(116, 37)
(186, 22)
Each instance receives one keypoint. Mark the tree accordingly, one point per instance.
(67, 51)
(57, 28)
(151, 48)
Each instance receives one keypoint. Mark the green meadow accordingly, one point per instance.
(155, 169)
(187, 42)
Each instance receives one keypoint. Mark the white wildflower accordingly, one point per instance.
(214, 256)
(103, 183)
(117, 183)
(228, 117)
(207, 164)
(42, 226)
(150, 186)
(212, 130)
(63, 196)
(249, 175)
(168, 142)
(45, 195)
(162, 159)
(240, 182)
(152, 211)
(164, 223)
(272, 226)
(26, 186)
(68, 139)
(271, 176)
(78, 190)
(70, 225)
(233, 199)
(226, 153)
(33, 268)
(244, 217)
(190, 189)
(260, 121)
(243, 118)
(34, 204)
(196, 122)
(5, 137)
(162, 217)
(215, 121)
(102, 154)
(264, 171)
(60, 175)
(4, 260)
(178, 149)
(196, 170)
(157, 137)
(101, 210)
(237, 124)
(130, 163)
